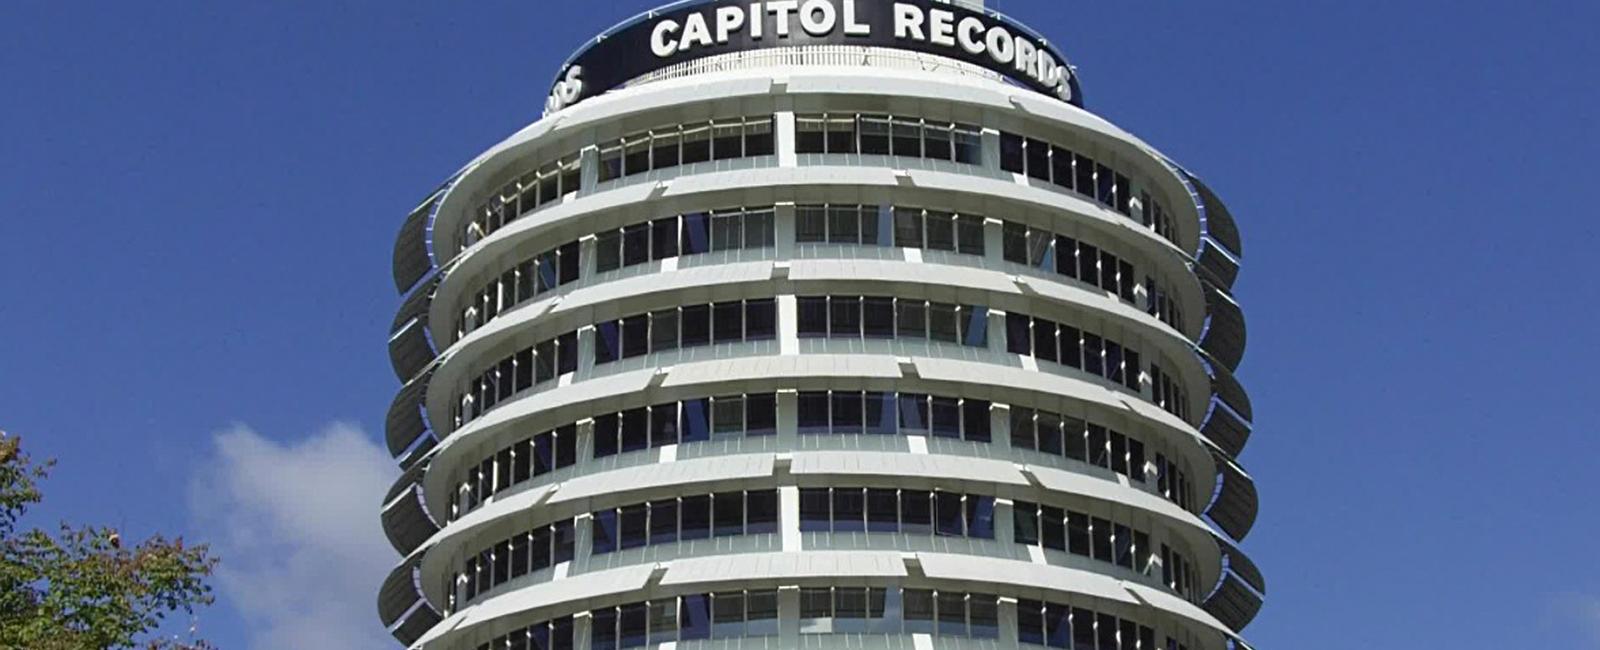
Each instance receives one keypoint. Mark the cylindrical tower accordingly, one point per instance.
(834, 323)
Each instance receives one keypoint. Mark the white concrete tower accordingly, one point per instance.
(820, 324)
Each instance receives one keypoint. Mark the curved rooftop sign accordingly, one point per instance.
(695, 29)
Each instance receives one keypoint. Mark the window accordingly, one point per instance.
(810, 133)
(815, 510)
(1011, 153)
(941, 231)
(841, 134)
(874, 135)
(761, 512)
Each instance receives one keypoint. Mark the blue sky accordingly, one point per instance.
(194, 289)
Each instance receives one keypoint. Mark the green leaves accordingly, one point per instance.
(83, 587)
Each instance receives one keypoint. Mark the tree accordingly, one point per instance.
(83, 587)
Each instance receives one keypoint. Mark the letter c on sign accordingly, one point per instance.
(968, 35)
(660, 43)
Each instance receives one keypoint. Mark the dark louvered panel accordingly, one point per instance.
(399, 591)
(1219, 220)
(407, 524)
(1225, 337)
(416, 305)
(420, 452)
(1229, 390)
(417, 624)
(405, 423)
(411, 259)
(1233, 603)
(1236, 505)
(411, 349)
(412, 476)
(1216, 266)
(1242, 565)
(1227, 431)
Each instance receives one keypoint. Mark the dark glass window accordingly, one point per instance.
(911, 318)
(696, 144)
(635, 429)
(849, 510)
(727, 230)
(603, 629)
(875, 135)
(811, 224)
(908, 227)
(605, 435)
(633, 521)
(664, 330)
(1084, 168)
(1078, 533)
(936, 141)
(695, 323)
(914, 416)
(696, 514)
(968, 144)
(916, 512)
(813, 316)
(1052, 528)
(761, 512)
(1061, 167)
(635, 336)
(664, 425)
(969, 234)
(878, 317)
(664, 238)
(605, 531)
(841, 134)
(761, 319)
(608, 342)
(907, 137)
(942, 323)
(1011, 154)
(727, 140)
(847, 412)
(1030, 622)
(815, 506)
(696, 235)
(664, 521)
(758, 137)
(727, 322)
(696, 420)
(761, 415)
(1025, 523)
(694, 616)
(880, 416)
(975, 420)
(980, 516)
(844, 224)
(808, 134)
(664, 145)
(1014, 243)
(946, 417)
(844, 317)
(727, 510)
(883, 511)
(1093, 355)
(1050, 435)
(1082, 629)
(941, 231)
(1038, 154)
(947, 506)
(1022, 432)
(814, 408)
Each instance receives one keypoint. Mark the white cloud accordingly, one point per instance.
(296, 525)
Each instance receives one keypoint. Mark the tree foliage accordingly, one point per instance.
(82, 587)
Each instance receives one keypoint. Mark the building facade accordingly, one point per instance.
(835, 323)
